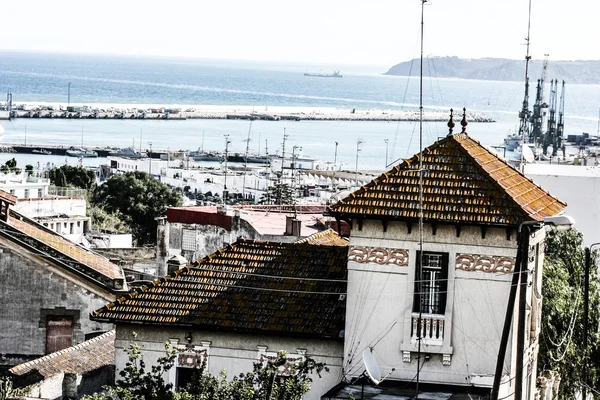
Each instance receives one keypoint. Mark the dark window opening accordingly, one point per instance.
(184, 376)
(431, 283)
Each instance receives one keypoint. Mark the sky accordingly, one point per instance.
(365, 32)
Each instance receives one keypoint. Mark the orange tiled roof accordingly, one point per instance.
(56, 241)
(325, 238)
(84, 357)
(463, 183)
(4, 195)
(280, 288)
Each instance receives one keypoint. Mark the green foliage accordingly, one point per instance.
(59, 178)
(264, 382)
(139, 198)
(112, 222)
(7, 391)
(281, 193)
(68, 175)
(561, 344)
(10, 166)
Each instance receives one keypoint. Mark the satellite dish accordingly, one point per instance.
(371, 366)
(528, 153)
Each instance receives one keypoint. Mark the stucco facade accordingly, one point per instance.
(460, 346)
(235, 353)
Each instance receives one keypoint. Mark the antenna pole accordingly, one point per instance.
(419, 327)
(525, 114)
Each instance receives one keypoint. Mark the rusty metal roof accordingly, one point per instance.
(463, 182)
(251, 286)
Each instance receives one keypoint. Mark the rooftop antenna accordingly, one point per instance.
(524, 115)
(246, 159)
(419, 327)
(225, 193)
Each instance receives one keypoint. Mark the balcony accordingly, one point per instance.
(430, 329)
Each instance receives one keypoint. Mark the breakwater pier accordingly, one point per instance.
(265, 113)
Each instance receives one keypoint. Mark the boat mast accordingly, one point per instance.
(524, 115)
(420, 270)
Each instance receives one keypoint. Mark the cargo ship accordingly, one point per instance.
(336, 74)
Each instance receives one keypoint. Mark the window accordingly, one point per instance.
(26, 194)
(184, 376)
(431, 282)
(12, 191)
(40, 193)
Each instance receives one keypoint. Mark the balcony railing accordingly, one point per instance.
(430, 329)
(67, 192)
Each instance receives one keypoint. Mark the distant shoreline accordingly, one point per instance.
(44, 110)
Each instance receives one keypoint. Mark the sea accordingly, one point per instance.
(137, 80)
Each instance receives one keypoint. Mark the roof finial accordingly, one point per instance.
(464, 122)
(451, 123)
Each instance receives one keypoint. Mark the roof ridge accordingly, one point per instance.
(495, 181)
(66, 350)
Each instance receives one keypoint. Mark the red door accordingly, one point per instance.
(59, 332)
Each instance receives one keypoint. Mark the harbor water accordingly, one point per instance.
(109, 80)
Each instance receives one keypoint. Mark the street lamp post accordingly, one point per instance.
(561, 223)
(358, 149)
(150, 159)
(386, 152)
(335, 156)
(586, 306)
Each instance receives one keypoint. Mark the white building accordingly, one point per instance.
(445, 318)
(63, 210)
(428, 301)
(579, 187)
(247, 322)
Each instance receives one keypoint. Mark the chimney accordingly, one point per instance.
(288, 225)
(175, 263)
(162, 246)
(296, 227)
(69, 386)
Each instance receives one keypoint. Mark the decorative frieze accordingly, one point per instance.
(191, 356)
(378, 255)
(491, 264)
(292, 360)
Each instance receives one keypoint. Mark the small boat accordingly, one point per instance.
(128, 152)
(41, 151)
(335, 74)
(82, 153)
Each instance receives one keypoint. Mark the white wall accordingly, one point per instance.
(380, 297)
(52, 206)
(233, 352)
(579, 187)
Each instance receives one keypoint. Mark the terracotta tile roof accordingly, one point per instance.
(251, 286)
(463, 183)
(326, 238)
(90, 259)
(4, 195)
(85, 357)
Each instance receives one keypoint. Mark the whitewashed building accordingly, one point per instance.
(438, 305)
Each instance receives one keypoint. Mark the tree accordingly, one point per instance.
(264, 382)
(74, 176)
(139, 198)
(59, 178)
(561, 343)
(280, 193)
